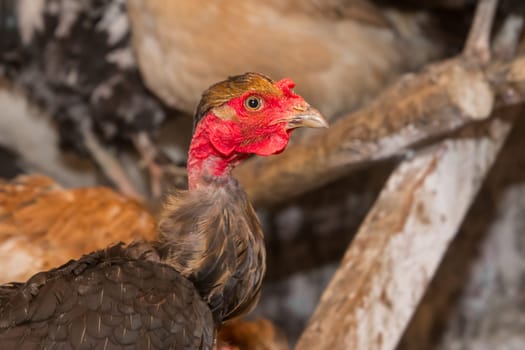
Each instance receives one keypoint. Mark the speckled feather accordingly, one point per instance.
(106, 300)
(75, 59)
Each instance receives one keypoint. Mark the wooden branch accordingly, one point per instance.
(477, 46)
(387, 268)
(439, 306)
(436, 308)
(439, 100)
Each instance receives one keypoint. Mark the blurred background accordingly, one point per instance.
(101, 92)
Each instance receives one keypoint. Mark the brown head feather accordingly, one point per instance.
(233, 87)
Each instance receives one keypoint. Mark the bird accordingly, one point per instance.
(43, 225)
(259, 334)
(340, 52)
(75, 62)
(205, 265)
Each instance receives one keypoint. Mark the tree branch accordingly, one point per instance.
(397, 250)
(387, 268)
(477, 46)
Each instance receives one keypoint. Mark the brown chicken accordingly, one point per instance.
(260, 334)
(338, 51)
(43, 225)
(205, 267)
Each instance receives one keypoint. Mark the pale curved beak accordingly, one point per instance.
(305, 116)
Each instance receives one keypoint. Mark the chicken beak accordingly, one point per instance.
(305, 116)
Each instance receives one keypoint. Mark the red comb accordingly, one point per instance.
(286, 85)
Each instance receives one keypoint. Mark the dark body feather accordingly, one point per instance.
(206, 267)
(105, 300)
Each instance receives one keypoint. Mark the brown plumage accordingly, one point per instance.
(259, 334)
(221, 92)
(338, 51)
(43, 225)
(205, 266)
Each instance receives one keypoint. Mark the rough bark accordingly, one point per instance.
(463, 283)
(388, 267)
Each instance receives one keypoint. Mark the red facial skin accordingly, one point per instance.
(219, 145)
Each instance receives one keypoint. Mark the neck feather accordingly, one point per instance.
(211, 235)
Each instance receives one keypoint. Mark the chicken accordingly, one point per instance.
(43, 225)
(74, 59)
(207, 263)
(338, 51)
(260, 334)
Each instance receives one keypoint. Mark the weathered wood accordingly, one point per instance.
(477, 46)
(397, 250)
(399, 246)
(438, 100)
(437, 310)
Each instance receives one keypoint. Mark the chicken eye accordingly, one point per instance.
(253, 103)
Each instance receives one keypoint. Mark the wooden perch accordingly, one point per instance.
(477, 46)
(440, 99)
(397, 250)
(439, 310)
(387, 268)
